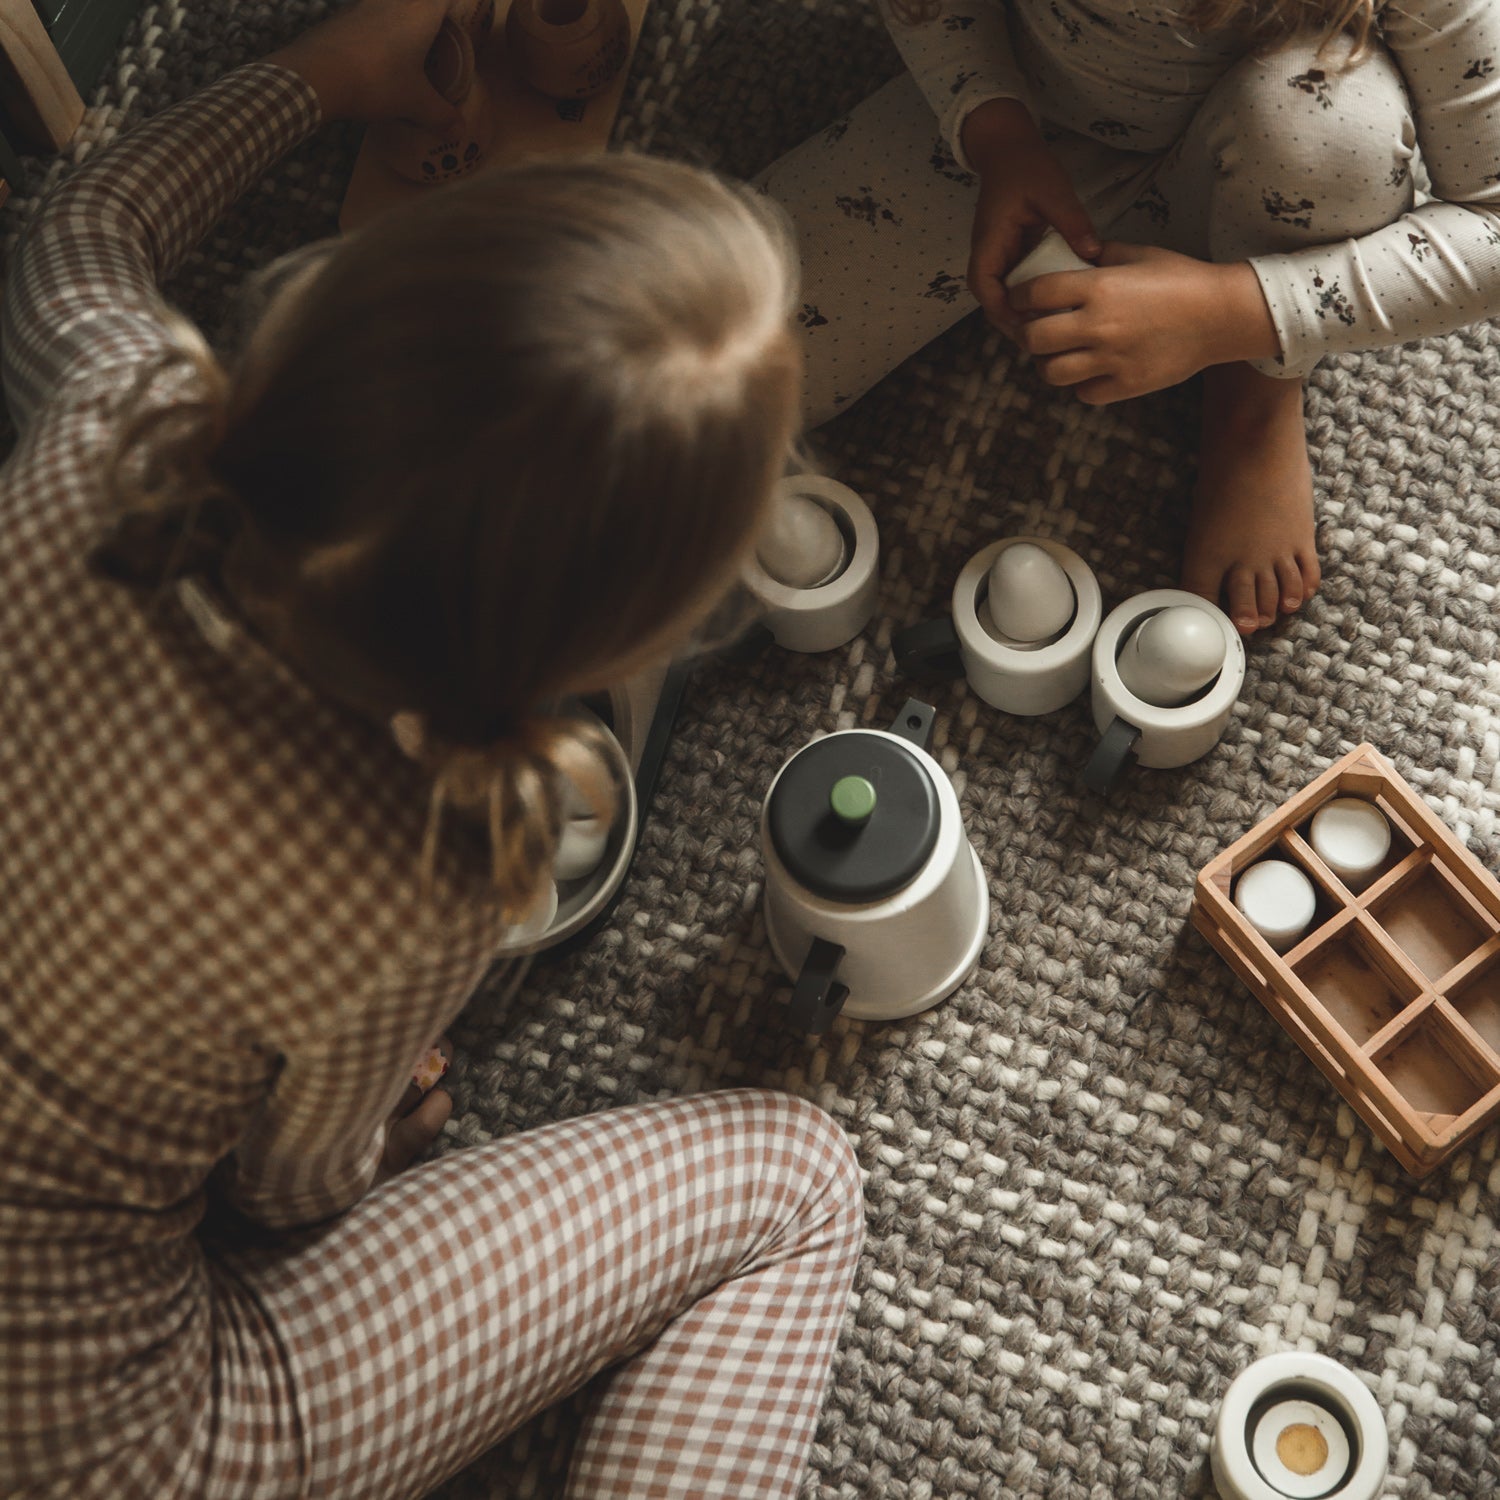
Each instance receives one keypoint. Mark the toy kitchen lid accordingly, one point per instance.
(527, 124)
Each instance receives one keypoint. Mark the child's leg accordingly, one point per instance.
(883, 215)
(703, 1246)
(1285, 153)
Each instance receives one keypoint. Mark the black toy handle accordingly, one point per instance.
(929, 651)
(748, 647)
(817, 996)
(914, 723)
(1110, 755)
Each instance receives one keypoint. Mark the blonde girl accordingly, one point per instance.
(461, 470)
(1259, 183)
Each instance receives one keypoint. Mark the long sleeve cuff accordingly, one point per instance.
(1435, 269)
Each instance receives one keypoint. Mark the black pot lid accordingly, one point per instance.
(854, 817)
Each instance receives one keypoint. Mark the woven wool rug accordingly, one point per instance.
(1100, 1178)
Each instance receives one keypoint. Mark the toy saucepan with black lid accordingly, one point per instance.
(875, 901)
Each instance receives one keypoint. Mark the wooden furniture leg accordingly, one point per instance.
(36, 93)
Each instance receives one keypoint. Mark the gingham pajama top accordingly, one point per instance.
(211, 940)
(1127, 74)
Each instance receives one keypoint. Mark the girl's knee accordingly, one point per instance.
(1324, 146)
(812, 1159)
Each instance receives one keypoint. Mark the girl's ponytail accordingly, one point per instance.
(498, 449)
(519, 787)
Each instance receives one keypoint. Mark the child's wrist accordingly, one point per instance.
(994, 127)
(1249, 331)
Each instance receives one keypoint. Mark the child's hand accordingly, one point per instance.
(1022, 190)
(1145, 319)
(367, 62)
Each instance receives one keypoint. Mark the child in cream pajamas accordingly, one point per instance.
(1361, 190)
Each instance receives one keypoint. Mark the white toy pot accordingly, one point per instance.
(875, 902)
(1157, 737)
(1014, 677)
(831, 614)
(1297, 1426)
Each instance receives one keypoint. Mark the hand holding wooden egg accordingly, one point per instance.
(1051, 254)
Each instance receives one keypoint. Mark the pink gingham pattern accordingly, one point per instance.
(214, 959)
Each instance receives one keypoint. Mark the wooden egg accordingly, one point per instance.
(1277, 900)
(802, 546)
(1172, 656)
(1051, 253)
(1352, 837)
(1030, 597)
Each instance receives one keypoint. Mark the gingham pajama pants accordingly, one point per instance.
(698, 1252)
(883, 211)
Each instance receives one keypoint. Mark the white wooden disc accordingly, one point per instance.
(1301, 1449)
(1278, 901)
(1352, 837)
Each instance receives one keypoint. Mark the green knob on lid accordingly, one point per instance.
(852, 800)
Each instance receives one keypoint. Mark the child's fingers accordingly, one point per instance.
(427, 108)
(988, 287)
(1071, 368)
(1057, 291)
(1056, 333)
(996, 248)
(1121, 253)
(1070, 219)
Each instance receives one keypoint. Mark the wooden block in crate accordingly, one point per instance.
(1394, 992)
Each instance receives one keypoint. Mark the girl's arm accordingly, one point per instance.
(1437, 268)
(316, 1143)
(82, 298)
(960, 57)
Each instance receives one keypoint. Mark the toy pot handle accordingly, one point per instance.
(914, 723)
(749, 647)
(817, 996)
(1110, 755)
(928, 651)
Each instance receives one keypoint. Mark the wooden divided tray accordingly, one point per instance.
(1394, 992)
(529, 125)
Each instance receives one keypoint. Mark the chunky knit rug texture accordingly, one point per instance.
(1100, 1178)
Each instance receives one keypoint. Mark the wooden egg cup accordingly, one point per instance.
(526, 124)
(1394, 992)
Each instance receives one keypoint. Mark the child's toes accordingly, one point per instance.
(1289, 585)
(1241, 594)
(1312, 572)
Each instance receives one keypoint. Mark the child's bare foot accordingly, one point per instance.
(422, 1112)
(408, 1136)
(1250, 543)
